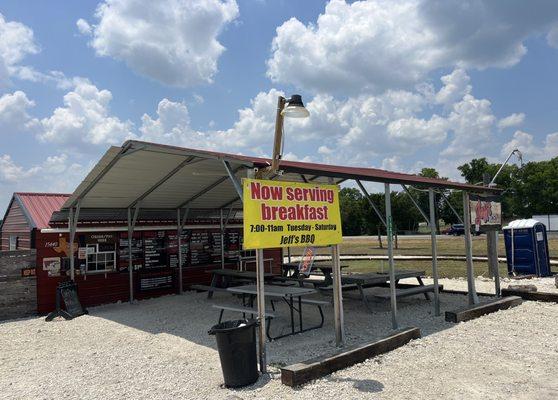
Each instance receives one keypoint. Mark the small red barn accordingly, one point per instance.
(27, 213)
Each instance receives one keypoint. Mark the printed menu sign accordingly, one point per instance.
(154, 249)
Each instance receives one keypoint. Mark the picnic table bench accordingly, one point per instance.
(376, 279)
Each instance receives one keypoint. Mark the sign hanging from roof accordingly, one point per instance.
(486, 212)
(290, 214)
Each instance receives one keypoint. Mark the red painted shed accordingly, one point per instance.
(28, 213)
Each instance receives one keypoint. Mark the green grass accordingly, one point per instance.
(446, 268)
(421, 246)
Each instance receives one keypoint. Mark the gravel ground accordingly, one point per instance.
(160, 349)
(486, 285)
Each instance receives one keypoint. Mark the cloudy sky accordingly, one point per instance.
(397, 84)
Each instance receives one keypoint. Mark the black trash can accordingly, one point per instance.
(236, 342)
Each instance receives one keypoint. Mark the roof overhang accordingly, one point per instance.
(156, 176)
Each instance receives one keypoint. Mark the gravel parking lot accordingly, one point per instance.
(160, 349)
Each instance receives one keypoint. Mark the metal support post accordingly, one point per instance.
(261, 309)
(492, 252)
(337, 297)
(472, 292)
(131, 225)
(415, 203)
(374, 207)
(289, 254)
(222, 230)
(72, 225)
(389, 221)
(432, 224)
(179, 241)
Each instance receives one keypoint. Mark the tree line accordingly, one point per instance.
(528, 190)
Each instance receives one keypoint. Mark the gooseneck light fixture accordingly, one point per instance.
(293, 108)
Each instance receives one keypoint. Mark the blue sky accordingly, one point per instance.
(394, 84)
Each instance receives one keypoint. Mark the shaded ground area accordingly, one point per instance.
(159, 349)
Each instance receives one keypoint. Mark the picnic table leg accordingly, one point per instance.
(364, 299)
(328, 280)
(421, 283)
(212, 284)
(300, 312)
(291, 306)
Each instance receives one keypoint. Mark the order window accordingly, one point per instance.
(100, 261)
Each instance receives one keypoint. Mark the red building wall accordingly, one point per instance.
(102, 288)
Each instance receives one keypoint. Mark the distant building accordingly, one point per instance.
(550, 221)
(27, 213)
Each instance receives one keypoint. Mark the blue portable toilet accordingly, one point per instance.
(527, 248)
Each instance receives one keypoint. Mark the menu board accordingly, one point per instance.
(172, 248)
(216, 245)
(137, 251)
(159, 281)
(154, 252)
(232, 246)
(200, 248)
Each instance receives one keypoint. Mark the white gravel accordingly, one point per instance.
(486, 285)
(160, 349)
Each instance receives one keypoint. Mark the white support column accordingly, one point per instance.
(432, 224)
(338, 297)
(261, 310)
(472, 292)
(179, 240)
(389, 222)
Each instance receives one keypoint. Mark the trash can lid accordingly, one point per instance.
(232, 325)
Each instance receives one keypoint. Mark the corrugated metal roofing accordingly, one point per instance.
(168, 177)
(39, 207)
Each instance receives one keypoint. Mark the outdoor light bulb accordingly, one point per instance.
(295, 108)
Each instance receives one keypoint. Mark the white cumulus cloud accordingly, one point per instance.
(511, 120)
(171, 41)
(378, 44)
(85, 120)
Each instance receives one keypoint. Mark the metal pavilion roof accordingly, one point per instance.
(167, 177)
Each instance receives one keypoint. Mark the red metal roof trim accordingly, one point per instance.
(369, 174)
(40, 206)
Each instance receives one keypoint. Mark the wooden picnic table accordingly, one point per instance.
(288, 295)
(375, 279)
(228, 276)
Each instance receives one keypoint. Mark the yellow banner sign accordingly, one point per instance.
(290, 214)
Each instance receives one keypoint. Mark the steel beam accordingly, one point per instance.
(236, 183)
(416, 204)
(131, 224)
(374, 207)
(446, 199)
(338, 297)
(471, 290)
(392, 289)
(432, 224)
(304, 178)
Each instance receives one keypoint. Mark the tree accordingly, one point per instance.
(350, 200)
